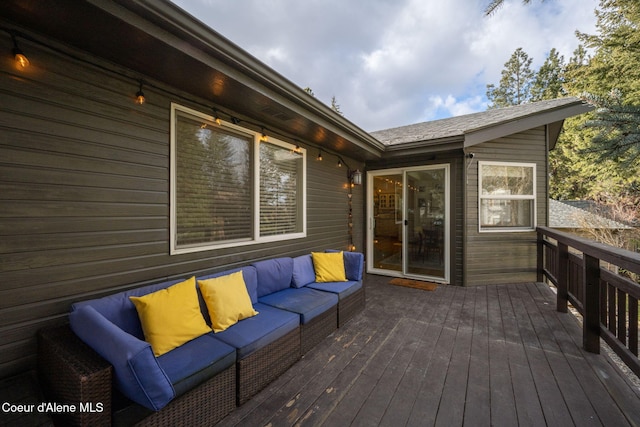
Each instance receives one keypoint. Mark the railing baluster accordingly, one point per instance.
(611, 308)
(591, 321)
(540, 257)
(622, 317)
(633, 325)
(563, 276)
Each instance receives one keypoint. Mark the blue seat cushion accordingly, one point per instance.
(256, 332)
(273, 275)
(342, 289)
(308, 303)
(196, 361)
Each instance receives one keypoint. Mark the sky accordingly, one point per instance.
(391, 63)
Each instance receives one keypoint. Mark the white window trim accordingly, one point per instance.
(507, 197)
(257, 239)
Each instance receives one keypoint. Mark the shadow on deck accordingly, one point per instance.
(498, 355)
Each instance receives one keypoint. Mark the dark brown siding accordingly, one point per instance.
(501, 257)
(84, 189)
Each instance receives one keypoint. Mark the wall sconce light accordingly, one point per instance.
(140, 94)
(19, 56)
(264, 136)
(319, 158)
(355, 177)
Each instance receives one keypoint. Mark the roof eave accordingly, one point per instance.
(478, 136)
(425, 147)
(171, 18)
(195, 60)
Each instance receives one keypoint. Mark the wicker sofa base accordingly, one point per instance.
(204, 405)
(72, 373)
(266, 364)
(350, 306)
(318, 329)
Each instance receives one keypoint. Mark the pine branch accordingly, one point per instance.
(618, 127)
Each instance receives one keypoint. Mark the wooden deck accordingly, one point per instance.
(496, 355)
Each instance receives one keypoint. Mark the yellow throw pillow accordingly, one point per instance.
(170, 317)
(329, 266)
(227, 300)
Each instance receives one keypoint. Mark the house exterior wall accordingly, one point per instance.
(84, 183)
(504, 257)
(455, 160)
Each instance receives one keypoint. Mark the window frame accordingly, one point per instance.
(256, 137)
(508, 197)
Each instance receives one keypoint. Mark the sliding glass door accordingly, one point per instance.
(408, 217)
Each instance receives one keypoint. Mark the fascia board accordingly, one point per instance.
(489, 133)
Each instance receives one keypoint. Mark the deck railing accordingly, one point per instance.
(588, 275)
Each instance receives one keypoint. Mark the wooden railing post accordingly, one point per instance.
(540, 257)
(563, 278)
(591, 319)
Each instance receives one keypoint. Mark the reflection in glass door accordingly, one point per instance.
(387, 222)
(426, 218)
(408, 221)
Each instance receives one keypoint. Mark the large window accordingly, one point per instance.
(507, 196)
(229, 188)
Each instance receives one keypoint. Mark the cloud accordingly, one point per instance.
(396, 62)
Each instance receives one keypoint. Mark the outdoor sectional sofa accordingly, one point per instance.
(294, 304)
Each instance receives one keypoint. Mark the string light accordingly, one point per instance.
(19, 56)
(140, 99)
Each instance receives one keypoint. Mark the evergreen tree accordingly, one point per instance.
(614, 74)
(549, 79)
(610, 80)
(495, 5)
(515, 83)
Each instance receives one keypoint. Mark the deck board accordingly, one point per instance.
(494, 355)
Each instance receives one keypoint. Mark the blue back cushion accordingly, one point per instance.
(303, 271)
(273, 275)
(353, 265)
(119, 309)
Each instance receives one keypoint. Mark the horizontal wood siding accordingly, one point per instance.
(84, 189)
(503, 257)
